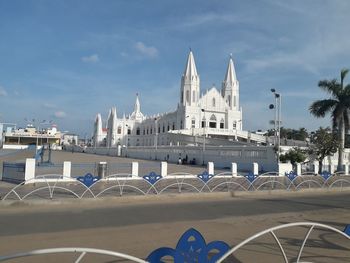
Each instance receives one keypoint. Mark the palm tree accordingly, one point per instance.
(338, 105)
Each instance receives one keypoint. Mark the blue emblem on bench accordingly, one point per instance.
(205, 176)
(191, 247)
(291, 175)
(347, 230)
(152, 178)
(88, 179)
(325, 175)
(251, 177)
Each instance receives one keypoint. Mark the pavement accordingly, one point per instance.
(137, 225)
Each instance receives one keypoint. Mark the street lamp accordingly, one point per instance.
(204, 126)
(126, 138)
(277, 121)
(156, 137)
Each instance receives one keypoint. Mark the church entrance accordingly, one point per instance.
(212, 121)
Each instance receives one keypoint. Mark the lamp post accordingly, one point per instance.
(204, 127)
(126, 139)
(277, 121)
(156, 137)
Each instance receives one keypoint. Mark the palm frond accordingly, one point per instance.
(331, 86)
(343, 74)
(320, 107)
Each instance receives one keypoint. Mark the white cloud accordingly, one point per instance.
(148, 51)
(49, 105)
(3, 92)
(91, 59)
(60, 114)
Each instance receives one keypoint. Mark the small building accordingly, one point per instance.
(31, 136)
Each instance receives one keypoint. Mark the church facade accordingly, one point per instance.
(214, 113)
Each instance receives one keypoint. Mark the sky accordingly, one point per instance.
(66, 61)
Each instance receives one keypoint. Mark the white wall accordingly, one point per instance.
(244, 156)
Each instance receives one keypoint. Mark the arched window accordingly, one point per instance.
(119, 130)
(188, 100)
(204, 122)
(229, 100)
(194, 96)
(193, 123)
(212, 121)
(213, 102)
(222, 124)
(138, 131)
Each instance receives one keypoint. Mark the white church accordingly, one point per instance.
(215, 115)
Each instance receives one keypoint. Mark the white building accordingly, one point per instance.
(213, 114)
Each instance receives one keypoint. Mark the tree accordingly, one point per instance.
(295, 155)
(324, 142)
(338, 105)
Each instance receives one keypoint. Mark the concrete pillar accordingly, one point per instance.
(255, 168)
(119, 150)
(234, 169)
(135, 169)
(163, 169)
(315, 166)
(284, 168)
(331, 168)
(67, 169)
(30, 169)
(346, 169)
(298, 169)
(210, 167)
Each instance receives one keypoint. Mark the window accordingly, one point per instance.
(213, 102)
(168, 127)
(181, 126)
(119, 130)
(129, 131)
(234, 125)
(234, 101)
(203, 122)
(229, 100)
(193, 123)
(194, 96)
(212, 121)
(138, 131)
(188, 97)
(147, 131)
(163, 128)
(159, 129)
(222, 124)
(182, 97)
(173, 125)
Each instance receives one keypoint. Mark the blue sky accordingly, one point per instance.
(68, 60)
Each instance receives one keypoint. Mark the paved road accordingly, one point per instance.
(143, 213)
(137, 225)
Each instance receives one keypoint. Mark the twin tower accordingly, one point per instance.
(190, 85)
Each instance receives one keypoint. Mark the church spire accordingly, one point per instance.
(230, 77)
(230, 86)
(137, 114)
(190, 69)
(189, 94)
(137, 107)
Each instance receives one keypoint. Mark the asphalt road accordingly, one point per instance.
(84, 217)
(138, 225)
